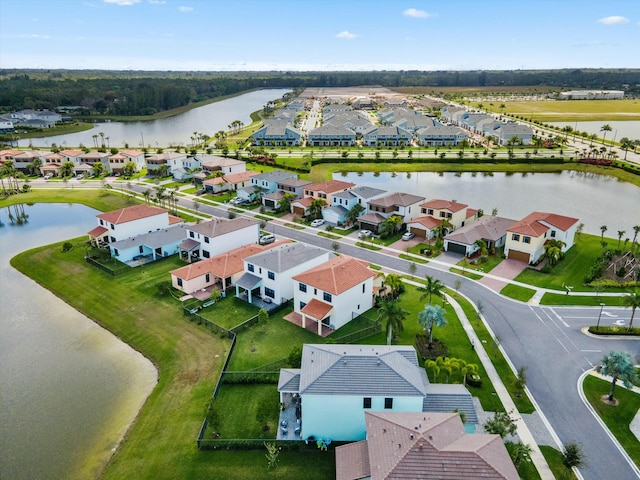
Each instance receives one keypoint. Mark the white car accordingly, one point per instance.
(317, 222)
(365, 234)
(408, 236)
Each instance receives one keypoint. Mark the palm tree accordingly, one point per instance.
(605, 128)
(353, 213)
(315, 208)
(389, 226)
(632, 300)
(603, 229)
(620, 235)
(483, 247)
(626, 144)
(433, 286)
(284, 204)
(393, 315)
(432, 316)
(146, 194)
(98, 169)
(553, 250)
(394, 282)
(619, 366)
(636, 230)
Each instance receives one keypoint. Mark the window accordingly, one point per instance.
(113, 227)
(327, 297)
(430, 211)
(302, 287)
(179, 282)
(443, 215)
(205, 254)
(363, 286)
(207, 277)
(101, 222)
(553, 234)
(140, 249)
(191, 234)
(250, 267)
(388, 403)
(269, 293)
(113, 239)
(515, 237)
(271, 275)
(526, 239)
(206, 239)
(366, 402)
(302, 305)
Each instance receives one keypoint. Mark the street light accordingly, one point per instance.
(599, 315)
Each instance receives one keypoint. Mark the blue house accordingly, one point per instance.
(148, 247)
(337, 384)
(276, 133)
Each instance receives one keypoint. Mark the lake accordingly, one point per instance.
(176, 130)
(594, 199)
(69, 387)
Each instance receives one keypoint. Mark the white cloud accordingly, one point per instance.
(614, 20)
(185, 9)
(157, 2)
(415, 13)
(123, 2)
(347, 35)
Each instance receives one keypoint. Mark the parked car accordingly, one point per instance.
(266, 239)
(365, 234)
(80, 177)
(47, 176)
(408, 236)
(317, 222)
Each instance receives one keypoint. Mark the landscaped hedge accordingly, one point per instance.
(634, 332)
(452, 160)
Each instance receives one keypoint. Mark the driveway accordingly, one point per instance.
(507, 269)
(449, 257)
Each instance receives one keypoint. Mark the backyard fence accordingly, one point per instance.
(111, 271)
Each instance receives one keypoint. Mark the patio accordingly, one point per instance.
(311, 324)
(257, 301)
(141, 260)
(289, 421)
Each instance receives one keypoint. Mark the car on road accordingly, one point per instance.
(408, 236)
(365, 234)
(317, 222)
(80, 177)
(48, 176)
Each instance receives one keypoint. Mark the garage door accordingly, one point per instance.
(419, 232)
(456, 248)
(520, 256)
(298, 210)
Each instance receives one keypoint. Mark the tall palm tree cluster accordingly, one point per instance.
(8, 172)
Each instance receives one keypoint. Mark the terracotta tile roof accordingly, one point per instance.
(10, 153)
(403, 445)
(471, 212)
(97, 232)
(305, 202)
(131, 153)
(221, 226)
(337, 275)
(223, 265)
(372, 218)
(49, 166)
(317, 309)
(427, 222)
(239, 177)
(173, 220)
(72, 153)
(53, 155)
(129, 214)
(438, 204)
(352, 461)
(214, 181)
(118, 156)
(532, 225)
(330, 186)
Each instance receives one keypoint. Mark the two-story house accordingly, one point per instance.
(342, 202)
(276, 133)
(526, 238)
(264, 183)
(381, 208)
(333, 293)
(338, 384)
(331, 136)
(218, 235)
(269, 274)
(441, 135)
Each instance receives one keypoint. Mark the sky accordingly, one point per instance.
(302, 35)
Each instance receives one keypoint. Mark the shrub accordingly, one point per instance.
(474, 381)
(546, 269)
(67, 246)
(438, 349)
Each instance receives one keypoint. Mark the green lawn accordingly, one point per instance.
(99, 199)
(517, 292)
(466, 273)
(617, 418)
(554, 459)
(492, 262)
(238, 405)
(572, 269)
(593, 301)
(229, 312)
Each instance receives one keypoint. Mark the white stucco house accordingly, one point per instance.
(218, 235)
(269, 274)
(337, 384)
(526, 238)
(492, 230)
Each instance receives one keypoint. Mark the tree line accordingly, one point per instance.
(146, 93)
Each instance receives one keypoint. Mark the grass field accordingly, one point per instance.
(517, 292)
(554, 459)
(617, 418)
(573, 110)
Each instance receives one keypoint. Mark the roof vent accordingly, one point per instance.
(411, 436)
(399, 445)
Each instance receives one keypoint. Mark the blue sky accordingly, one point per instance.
(319, 34)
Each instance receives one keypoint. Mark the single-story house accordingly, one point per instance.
(408, 445)
(152, 245)
(493, 230)
(337, 384)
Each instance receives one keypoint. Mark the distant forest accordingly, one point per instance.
(146, 93)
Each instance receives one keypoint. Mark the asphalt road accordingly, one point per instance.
(548, 341)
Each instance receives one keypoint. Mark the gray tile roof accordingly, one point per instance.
(248, 281)
(273, 176)
(221, 226)
(445, 398)
(154, 240)
(285, 257)
(486, 227)
(289, 380)
(367, 192)
(373, 370)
